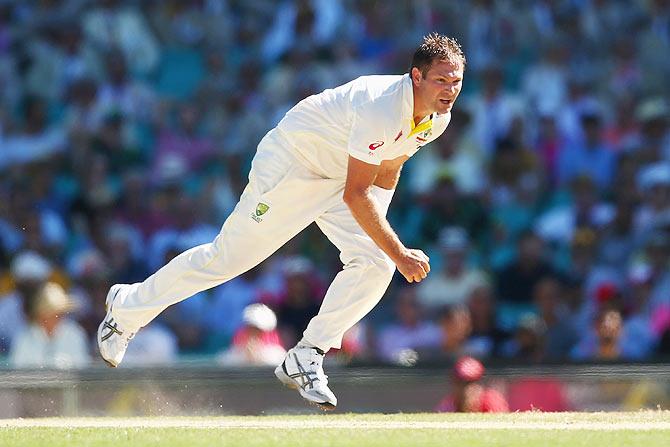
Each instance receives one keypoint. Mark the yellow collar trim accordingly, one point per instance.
(421, 127)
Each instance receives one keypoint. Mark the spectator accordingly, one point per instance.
(549, 145)
(81, 119)
(187, 229)
(123, 94)
(610, 341)
(468, 394)
(657, 254)
(192, 325)
(545, 84)
(29, 272)
(515, 185)
(185, 141)
(139, 206)
(115, 140)
(60, 59)
(51, 340)
(88, 269)
(257, 342)
(487, 336)
(591, 157)
(654, 117)
(230, 300)
(314, 21)
(560, 333)
(585, 210)
(583, 264)
(654, 184)
(112, 25)
(623, 130)
(37, 139)
(527, 343)
(447, 206)
(642, 322)
(300, 299)
(493, 110)
(515, 283)
(456, 328)
(617, 241)
(123, 248)
(154, 345)
(409, 331)
(456, 281)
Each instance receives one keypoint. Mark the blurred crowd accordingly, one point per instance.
(127, 129)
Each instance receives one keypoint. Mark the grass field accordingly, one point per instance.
(645, 428)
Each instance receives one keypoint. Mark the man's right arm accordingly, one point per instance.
(412, 264)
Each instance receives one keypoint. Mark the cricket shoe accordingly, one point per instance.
(302, 369)
(112, 339)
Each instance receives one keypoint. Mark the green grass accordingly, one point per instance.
(650, 428)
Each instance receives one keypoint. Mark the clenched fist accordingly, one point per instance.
(413, 264)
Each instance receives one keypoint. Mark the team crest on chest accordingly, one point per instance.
(422, 138)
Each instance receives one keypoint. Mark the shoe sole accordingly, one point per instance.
(290, 383)
(109, 364)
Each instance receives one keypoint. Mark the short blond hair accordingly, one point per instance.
(436, 46)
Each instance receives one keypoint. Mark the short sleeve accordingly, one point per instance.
(367, 140)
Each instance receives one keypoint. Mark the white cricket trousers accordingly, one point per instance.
(295, 197)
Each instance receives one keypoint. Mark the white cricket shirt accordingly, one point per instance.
(369, 118)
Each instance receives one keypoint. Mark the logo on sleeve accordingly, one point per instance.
(375, 145)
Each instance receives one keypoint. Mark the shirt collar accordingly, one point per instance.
(408, 127)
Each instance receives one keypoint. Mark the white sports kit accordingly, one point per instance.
(297, 177)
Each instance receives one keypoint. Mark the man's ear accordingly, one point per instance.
(416, 75)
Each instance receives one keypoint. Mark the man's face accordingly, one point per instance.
(440, 87)
(609, 326)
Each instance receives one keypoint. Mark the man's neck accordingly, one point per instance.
(418, 119)
(419, 112)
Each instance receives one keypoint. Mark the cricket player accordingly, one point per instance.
(334, 159)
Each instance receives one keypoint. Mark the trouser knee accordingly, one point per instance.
(382, 268)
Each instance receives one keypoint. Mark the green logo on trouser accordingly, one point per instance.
(261, 209)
